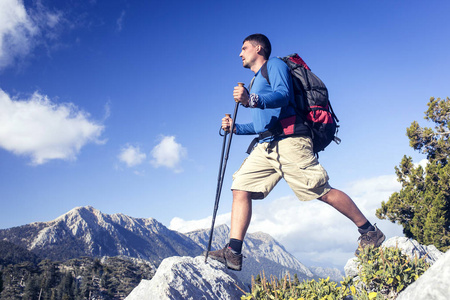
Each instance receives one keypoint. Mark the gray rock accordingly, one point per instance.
(412, 248)
(189, 278)
(351, 267)
(434, 284)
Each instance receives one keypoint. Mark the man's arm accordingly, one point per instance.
(280, 83)
(240, 129)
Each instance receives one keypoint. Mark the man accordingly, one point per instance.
(290, 158)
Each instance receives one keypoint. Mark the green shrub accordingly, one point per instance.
(383, 273)
(387, 271)
(285, 289)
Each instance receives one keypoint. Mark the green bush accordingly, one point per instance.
(383, 273)
(285, 289)
(387, 271)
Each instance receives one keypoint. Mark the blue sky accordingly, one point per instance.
(117, 105)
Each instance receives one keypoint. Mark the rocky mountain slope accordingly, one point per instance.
(85, 231)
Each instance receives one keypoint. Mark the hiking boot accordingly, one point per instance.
(371, 238)
(227, 257)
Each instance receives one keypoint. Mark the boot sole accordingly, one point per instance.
(228, 264)
(233, 266)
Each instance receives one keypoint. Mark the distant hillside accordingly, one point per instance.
(109, 278)
(11, 254)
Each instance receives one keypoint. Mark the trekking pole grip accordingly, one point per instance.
(241, 84)
(232, 121)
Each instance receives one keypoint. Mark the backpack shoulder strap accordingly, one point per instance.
(251, 84)
(264, 72)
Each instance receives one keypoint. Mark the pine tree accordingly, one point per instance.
(422, 206)
(31, 290)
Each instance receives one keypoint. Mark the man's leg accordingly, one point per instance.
(345, 205)
(370, 235)
(241, 214)
(258, 173)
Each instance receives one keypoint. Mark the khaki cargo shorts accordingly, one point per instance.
(291, 158)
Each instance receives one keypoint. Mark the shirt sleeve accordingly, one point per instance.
(280, 82)
(243, 129)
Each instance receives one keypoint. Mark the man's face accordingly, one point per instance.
(249, 54)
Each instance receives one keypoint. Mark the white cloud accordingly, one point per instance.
(368, 193)
(183, 226)
(313, 231)
(132, 156)
(21, 30)
(16, 31)
(168, 153)
(43, 130)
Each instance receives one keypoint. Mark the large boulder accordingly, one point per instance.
(412, 248)
(189, 278)
(434, 284)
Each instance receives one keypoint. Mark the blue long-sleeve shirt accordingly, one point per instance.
(273, 98)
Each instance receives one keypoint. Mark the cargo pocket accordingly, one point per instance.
(302, 168)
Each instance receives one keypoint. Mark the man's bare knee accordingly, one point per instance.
(326, 197)
(241, 195)
(247, 195)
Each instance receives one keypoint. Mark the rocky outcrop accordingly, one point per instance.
(434, 284)
(408, 247)
(192, 278)
(189, 278)
(412, 248)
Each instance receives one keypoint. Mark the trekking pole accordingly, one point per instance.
(222, 169)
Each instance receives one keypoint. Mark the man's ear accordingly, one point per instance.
(258, 49)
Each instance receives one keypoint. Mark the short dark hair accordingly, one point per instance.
(263, 41)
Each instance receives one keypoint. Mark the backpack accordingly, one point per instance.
(311, 104)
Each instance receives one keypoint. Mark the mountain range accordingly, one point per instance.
(86, 231)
